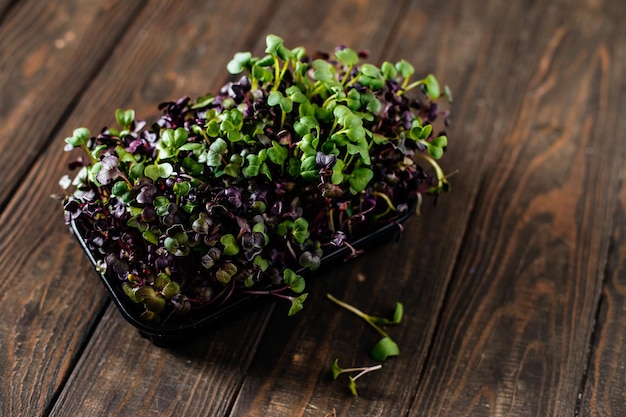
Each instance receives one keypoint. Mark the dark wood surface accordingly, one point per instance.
(514, 284)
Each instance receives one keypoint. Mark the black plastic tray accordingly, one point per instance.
(173, 334)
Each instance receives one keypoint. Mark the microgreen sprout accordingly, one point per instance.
(243, 191)
(385, 347)
(337, 370)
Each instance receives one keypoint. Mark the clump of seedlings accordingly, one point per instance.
(242, 191)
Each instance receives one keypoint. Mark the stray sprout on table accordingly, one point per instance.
(385, 347)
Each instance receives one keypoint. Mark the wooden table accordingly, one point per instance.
(514, 284)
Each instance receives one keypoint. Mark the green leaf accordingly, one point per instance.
(191, 167)
(286, 104)
(79, 137)
(262, 263)
(341, 112)
(385, 348)
(171, 289)
(435, 151)
(324, 71)
(180, 137)
(213, 128)
(359, 179)
(253, 166)
(379, 139)
(216, 150)
(277, 153)
(297, 304)
(232, 170)
(150, 237)
(203, 101)
(165, 170)
(152, 172)
(293, 280)
(337, 177)
(300, 230)
(347, 56)
(405, 69)
(177, 245)
(308, 144)
(230, 244)
(295, 94)
(275, 47)
(167, 138)
(432, 87)
(161, 201)
(370, 70)
(388, 70)
(397, 316)
(447, 93)
(154, 304)
(239, 63)
(182, 188)
(223, 276)
(336, 369)
(161, 280)
(274, 98)
(352, 386)
(120, 188)
(298, 53)
(440, 141)
(294, 167)
(124, 118)
(426, 131)
(266, 61)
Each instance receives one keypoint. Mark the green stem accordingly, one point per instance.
(413, 85)
(358, 312)
(363, 370)
(390, 206)
(349, 159)
(404, 84)
(332, 96)
(284, 70)
(366, 370)
(441, 177)
(277, 77)
(346, 75)
(88, 152)
(318, 88)
(352, 82)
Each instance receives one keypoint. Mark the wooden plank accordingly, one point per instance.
(38, 86)
(291, 375)
(5, 5)
(79, 390)
(44, 314)
(605, 385)
(135, 378)
(515, 329)
(187, 54)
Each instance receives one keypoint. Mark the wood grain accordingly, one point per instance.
(502, 281)
(42, 71)
(154, 49)
(51, 298)
(417, 270)
(520, 313)
(605, 385)
(46, 312)
(135, 378)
